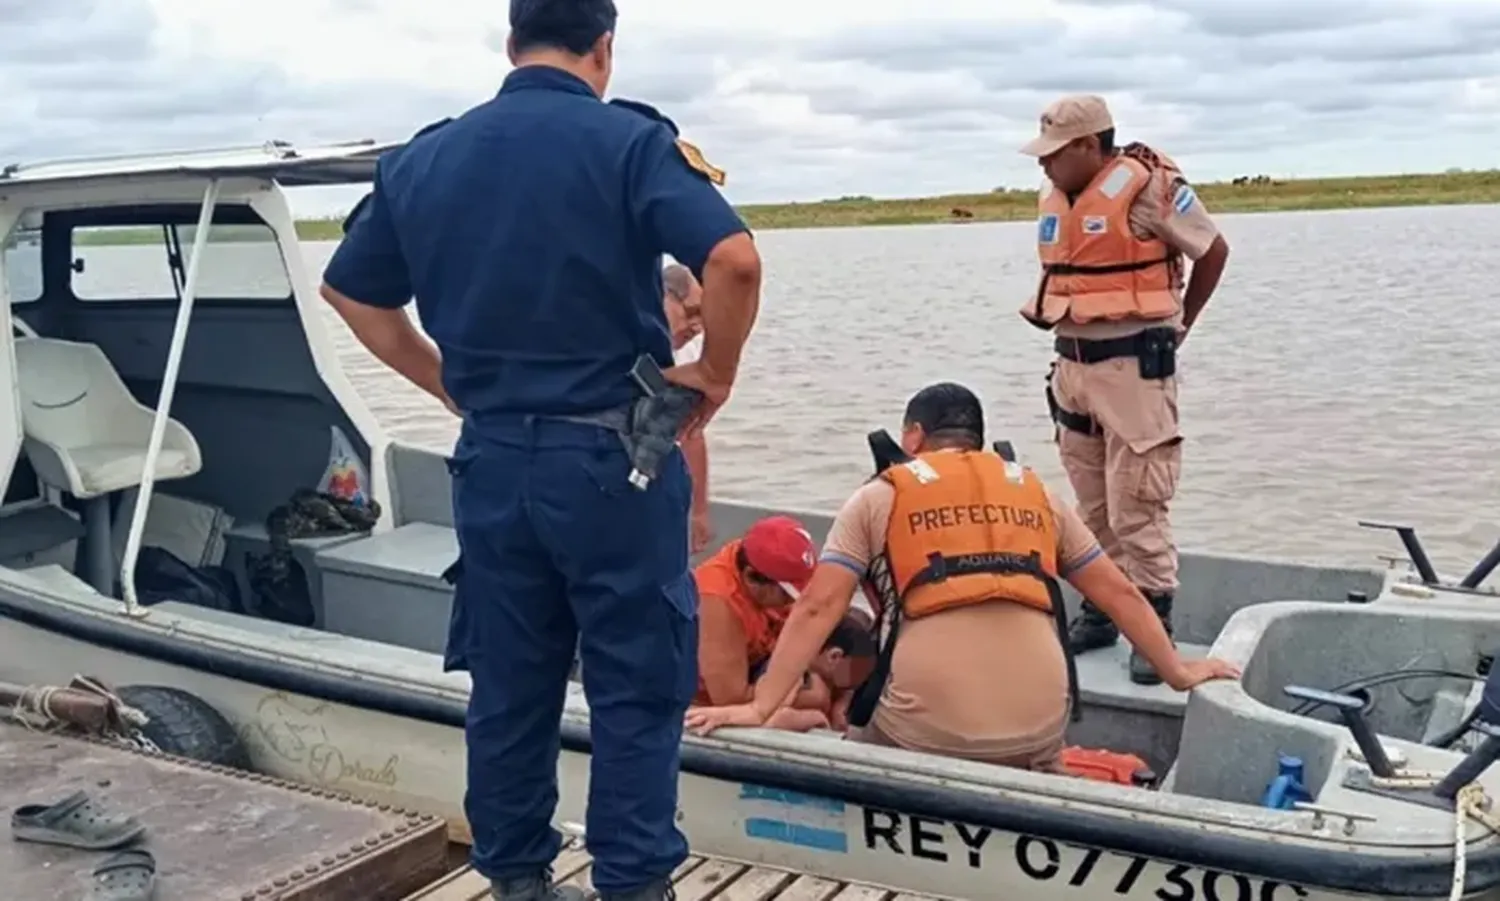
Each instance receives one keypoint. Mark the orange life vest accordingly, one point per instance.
(968, 527)
(1093, 265)
(719, 577)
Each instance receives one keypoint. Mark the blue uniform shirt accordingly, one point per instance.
(530, 231)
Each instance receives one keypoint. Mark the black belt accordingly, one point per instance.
(1089, 350)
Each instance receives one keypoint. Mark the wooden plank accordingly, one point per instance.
(756, 884)
(570, 862)
(583, 876)
(809, 888)
(853, 892)
(708, 880)
(468, 885)
(463, 885)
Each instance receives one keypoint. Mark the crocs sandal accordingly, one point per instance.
(76, 821)
(127, 876)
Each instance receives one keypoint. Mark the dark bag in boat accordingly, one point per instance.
(161, 576)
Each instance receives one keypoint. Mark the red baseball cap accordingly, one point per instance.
(780, 548)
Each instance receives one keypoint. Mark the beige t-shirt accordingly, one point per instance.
(987, 680)
(1170, 211)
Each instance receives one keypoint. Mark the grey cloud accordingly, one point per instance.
(1207, 78)
(94, 81)
(1233, 18)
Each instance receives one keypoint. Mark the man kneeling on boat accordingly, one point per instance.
(962, 548)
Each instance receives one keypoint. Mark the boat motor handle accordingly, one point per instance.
(1487, 723)
(1482, 569)
(1414, 550)
(1351, 709)
(1472, 766)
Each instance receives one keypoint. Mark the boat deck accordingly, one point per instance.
(698, 879)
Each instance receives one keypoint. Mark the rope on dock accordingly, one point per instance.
(33, 708)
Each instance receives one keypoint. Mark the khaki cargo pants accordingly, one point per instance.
(1125, 478)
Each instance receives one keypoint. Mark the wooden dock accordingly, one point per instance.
(698, 879)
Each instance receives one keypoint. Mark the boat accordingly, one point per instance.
(182, 414)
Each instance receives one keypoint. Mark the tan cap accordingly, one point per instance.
(1073, 117)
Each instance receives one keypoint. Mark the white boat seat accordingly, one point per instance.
(87, 435)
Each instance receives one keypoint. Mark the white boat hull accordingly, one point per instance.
(413, 764)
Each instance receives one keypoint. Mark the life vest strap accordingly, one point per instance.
(1107, 269)
(867, 695)
(939, 567)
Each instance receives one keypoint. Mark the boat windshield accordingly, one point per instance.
(21, 260)
(148, 262)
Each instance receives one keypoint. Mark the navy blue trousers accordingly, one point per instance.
(559, 552)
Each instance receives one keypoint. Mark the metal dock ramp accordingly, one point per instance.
(217, 834)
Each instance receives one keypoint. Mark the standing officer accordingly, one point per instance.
(531, 231)
(1114, 226)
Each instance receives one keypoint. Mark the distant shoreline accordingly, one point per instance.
(1001, 205)
(1257, 194)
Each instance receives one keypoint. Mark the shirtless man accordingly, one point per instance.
(683, 299)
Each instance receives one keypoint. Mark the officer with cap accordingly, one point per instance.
(1114, 227)
(530, 231)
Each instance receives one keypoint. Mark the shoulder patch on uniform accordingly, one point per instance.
(1184, 198)
(647, 110)
(1116, 181)
(695, 159)
(922, 470)
(354, 213)
(1046, 229)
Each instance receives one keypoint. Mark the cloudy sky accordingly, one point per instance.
(797, 99)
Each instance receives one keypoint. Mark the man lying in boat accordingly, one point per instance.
(998, 535)
(744, 592)
(682, 297)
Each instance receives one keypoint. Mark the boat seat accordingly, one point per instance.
(87, 435)
(389, 587)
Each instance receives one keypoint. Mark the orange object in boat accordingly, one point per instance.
(1107, 766)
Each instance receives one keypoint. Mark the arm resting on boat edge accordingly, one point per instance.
(1102, 582)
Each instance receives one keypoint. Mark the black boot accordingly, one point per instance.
(1091, 631)
(535, 888)
(1141, 672)
(657, 891)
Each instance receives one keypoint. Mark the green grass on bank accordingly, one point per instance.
(1006, 205)
(1256, 195)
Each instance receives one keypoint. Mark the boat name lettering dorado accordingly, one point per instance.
(1044, 860)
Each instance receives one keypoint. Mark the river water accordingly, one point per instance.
(1348, 368)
